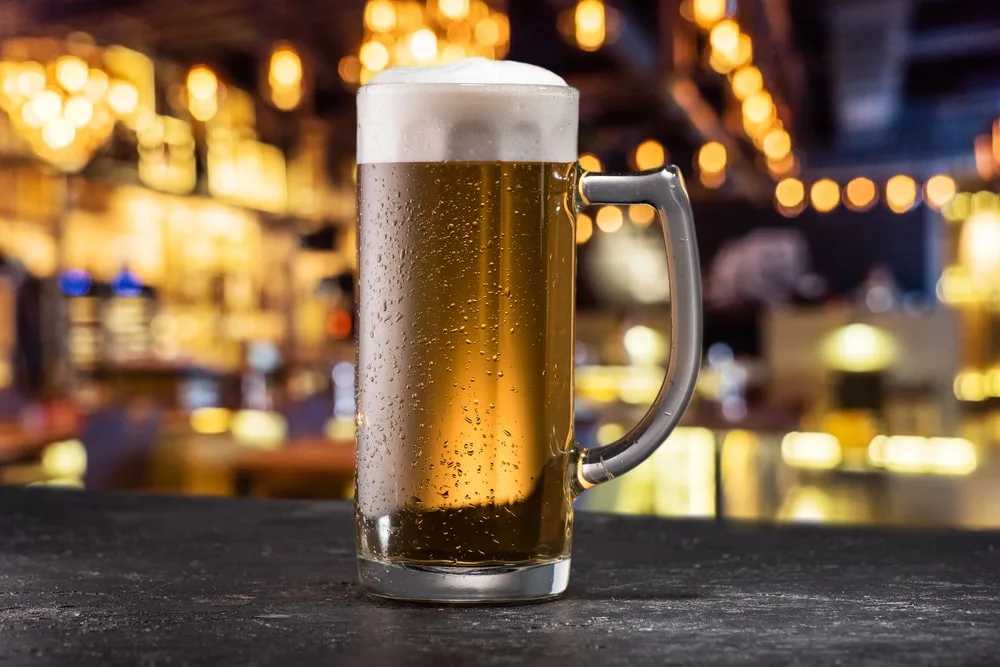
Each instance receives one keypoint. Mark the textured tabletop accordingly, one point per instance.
(94, 579)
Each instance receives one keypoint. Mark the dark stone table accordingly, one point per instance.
(93, 579)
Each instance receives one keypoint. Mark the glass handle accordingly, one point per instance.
(664, 190)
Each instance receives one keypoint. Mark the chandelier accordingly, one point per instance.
(62, 98)
(435, 32)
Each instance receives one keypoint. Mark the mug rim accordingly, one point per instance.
(476, 87)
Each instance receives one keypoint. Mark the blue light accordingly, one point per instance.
(126, 284)
(75, 282)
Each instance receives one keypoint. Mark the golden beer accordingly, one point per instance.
(465, 368)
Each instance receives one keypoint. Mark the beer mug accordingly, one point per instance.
(466, 465)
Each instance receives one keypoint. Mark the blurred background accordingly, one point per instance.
(177, 242)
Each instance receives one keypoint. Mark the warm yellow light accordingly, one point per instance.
(380, 16)
(649, 155)
(642, 215)
(939, 190)
(589, 19)
(860, 194)
(712, 181)
(452, 52)
(29, 117)
(609, 219)
(203, 110)
(970, 386)
(286, 99)
(374, 56)
(488, 32)
(776, 144)
(912, 454)
(286, 67)
(96, 86)
(785, 167)
(747, 81)
(824, 195)
(65, 459)
(789, 193)
(72, 73)
(859, 348)
(758, 108)
(210, 421)
(590, 162)
(47, 105)
(123, 98)
(349, 69)
(256, 428)
(584, 228)
(818, 451)
(202, 83)
(608, 433)
(725, 38)
(424, 45)
(645, 346)
(720, 63)
(31, 79)
(712, 158)
(79, 111)
(58, 133)
(979, 244)
(709, 12)
(744, 51)
(454, 9)
(900, 193)
(640, 384)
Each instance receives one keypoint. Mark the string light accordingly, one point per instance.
(423, 45)
(123, 98)
(649, 155)
(776, 144)
(860, 194)
(712, 158)
(758, 109)
(747, 81)
(380, 15)
(591, 24)
(71, 73)
(79, 111)
(900, 193)
(824, 195)
(609, 219)
(725, 38)
(454, 9)
(590, 162)
(789, 196)
(939, 190)
(374, 56)
(641, 215)
(709, 12)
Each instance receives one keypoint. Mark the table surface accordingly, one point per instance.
(100, 579)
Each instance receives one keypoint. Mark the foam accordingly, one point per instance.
(472, 110)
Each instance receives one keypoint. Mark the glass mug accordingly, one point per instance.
(466, 465)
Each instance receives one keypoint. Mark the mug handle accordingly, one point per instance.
(664, 190)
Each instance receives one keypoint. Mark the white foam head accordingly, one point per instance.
(472, 110)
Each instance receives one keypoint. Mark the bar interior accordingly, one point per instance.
(178, 243)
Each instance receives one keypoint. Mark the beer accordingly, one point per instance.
(465, 371)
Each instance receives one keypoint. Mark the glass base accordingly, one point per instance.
(464, 585)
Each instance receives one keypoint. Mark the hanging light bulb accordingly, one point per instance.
(590, 21)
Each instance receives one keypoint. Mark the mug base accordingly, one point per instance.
(495, 584)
